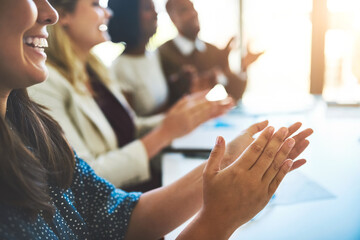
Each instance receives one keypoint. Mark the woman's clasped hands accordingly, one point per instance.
(234, 193)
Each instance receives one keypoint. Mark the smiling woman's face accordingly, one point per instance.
(87, 25)
(23, 38)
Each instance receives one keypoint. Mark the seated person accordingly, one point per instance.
(48, 192)
(138, 71)
(95, 116)
(211, 63)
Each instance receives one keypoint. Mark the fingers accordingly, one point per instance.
(191, 100)
(270, 152)
(299, 148)
(228, 46)
(205, 110)
(304, 134)
(257, 127)
(180, 104)
(280, 176)
(281, 156)
(253, 152)
(216, 155)
(293, 128)
(297, 164)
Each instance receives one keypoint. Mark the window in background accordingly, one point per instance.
(342, 52)
(282, 29)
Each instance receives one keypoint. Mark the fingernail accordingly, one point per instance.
(284, 131)
(289, 164)
(218, 140)
(270, 130)
(291, 142)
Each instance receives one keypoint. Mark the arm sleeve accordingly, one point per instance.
(105, 209)
(121, 166)
(120, 72)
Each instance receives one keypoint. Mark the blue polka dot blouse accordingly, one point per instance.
(91, 208)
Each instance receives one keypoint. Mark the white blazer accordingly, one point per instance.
(89, 132)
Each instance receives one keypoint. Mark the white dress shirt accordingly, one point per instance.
(142, 77)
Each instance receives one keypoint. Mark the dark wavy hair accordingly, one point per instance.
(124, 26)
(33, 154)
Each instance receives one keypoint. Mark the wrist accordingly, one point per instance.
(212, 226)
(156, 140)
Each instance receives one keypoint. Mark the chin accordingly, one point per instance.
(36, 77)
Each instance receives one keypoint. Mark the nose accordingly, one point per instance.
(47, 15)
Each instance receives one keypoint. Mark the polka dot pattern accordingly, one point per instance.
(91, 208)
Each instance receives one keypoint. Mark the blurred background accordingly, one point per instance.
(311, 46)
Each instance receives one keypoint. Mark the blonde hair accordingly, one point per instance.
(62, 56)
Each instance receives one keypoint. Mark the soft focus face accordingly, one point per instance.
(185, 18)
(23, 33)
(148, 18)
(87, 25)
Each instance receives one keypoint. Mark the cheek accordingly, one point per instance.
(11, 56)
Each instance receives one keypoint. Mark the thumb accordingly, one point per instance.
(228, 46)
(216, 155)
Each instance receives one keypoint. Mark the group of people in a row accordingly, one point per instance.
(117, 121)
(120, 120)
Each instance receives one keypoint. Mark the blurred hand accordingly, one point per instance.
(224, 54)
(191, 111)
(249, 58)
(206, 80)
(237, 193)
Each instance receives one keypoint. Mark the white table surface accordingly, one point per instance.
(333, 165)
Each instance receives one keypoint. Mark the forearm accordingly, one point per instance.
(162, 210)
(156, 140)
(205, 227)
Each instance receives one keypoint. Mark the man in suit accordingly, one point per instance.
(208, 64)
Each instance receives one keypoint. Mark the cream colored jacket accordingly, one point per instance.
(89, 132)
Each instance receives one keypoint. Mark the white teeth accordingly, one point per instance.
(36, 42)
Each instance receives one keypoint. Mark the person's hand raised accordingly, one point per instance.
(224, 54)
(249, 58)
(234, 195)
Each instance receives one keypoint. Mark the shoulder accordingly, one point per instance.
(211, 47)
(167, 46)
(55, 77)
(85, 180)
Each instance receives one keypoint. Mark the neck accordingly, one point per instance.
(138, 50)
(82, 56)
(3, 103)
(82, 53)
(135, 51)
(191, 38)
